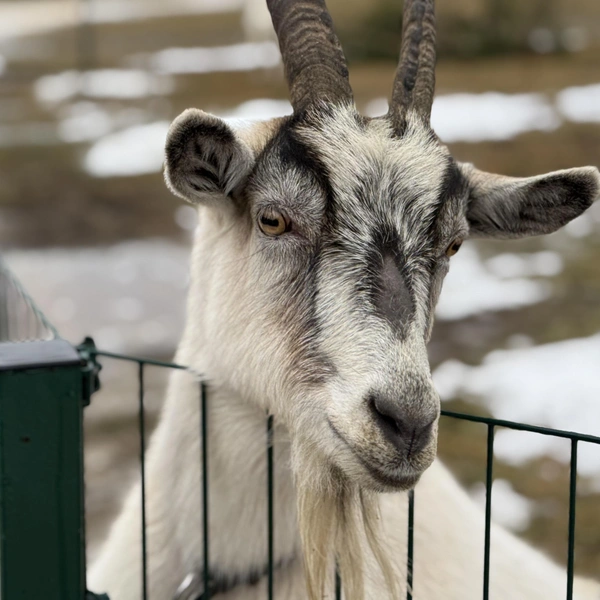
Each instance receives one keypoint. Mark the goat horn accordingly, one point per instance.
(314, 62)
(414, 84)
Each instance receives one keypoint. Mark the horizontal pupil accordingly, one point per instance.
(269, 222)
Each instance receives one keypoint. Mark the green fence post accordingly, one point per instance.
(42, 529)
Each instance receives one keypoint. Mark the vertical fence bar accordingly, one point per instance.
(411, 547)
(488, 511)
(204, 430)
(572, 505)
(270, 505)
(142, 430)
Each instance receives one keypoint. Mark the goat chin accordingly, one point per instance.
(334, 516)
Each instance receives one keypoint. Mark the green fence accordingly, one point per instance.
(45, 383)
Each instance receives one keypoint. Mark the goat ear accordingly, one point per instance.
(205, 159)
(508, 207)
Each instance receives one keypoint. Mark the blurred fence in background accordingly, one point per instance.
(20, 319)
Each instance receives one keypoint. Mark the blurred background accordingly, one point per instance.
(87, 90)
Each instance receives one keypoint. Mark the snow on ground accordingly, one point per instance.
(140, 149)
(473, 286)
(491, 116)
(553, 385)
(128, 297)
(237, 57)
(456, 117)
(535, 264)
(257, 110)
(580, 104)
(84, 121)
(132, 151)
(495, 116)
(100, 83)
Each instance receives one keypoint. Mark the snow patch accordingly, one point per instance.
(471, 287)
(237, 57)
(83, 121)
(552, 385)
(129, 297)
(136, 150)
(580, 104)
(481, 117)
(101, 83)
(536, 264)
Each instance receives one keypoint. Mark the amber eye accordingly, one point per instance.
(453, 248)
(272, 222)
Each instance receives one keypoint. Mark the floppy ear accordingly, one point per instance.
(205, 159)
(508, 207)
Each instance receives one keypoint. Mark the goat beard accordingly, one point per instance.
(338, 521)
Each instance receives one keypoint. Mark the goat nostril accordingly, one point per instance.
(406, 434)
(387, 417)
(422, 437)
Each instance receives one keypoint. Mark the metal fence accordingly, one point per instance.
(44, 386)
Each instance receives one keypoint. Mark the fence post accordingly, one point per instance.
(42, 528)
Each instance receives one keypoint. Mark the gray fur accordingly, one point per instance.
(508, 207)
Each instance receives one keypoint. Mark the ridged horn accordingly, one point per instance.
(414, 84)
(315, 66)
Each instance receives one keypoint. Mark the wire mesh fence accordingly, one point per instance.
(20, 319)
(203, 586)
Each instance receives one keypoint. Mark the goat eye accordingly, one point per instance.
(272, 222)
(453, 248)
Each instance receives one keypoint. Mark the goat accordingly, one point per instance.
(322, 244)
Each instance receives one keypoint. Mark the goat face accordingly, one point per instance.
(331, 236)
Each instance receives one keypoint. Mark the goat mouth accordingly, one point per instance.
(389, 482)
(384, 481)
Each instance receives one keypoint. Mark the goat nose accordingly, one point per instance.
(408, 433)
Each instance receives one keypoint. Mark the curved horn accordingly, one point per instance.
(415, 78)
(314, 62)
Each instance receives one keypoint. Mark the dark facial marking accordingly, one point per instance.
(453, 186)
(453, 183)
(389, 288)
(313, 366)
(393, 300)
(294, 153)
